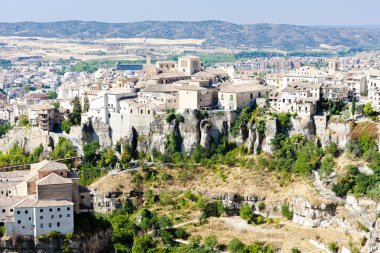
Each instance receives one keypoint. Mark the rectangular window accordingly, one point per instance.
(41, 217)
(50, 209)
(58, 224)
(52, 216)
(60, 216)
(19, 222)
(41, 225)
(68, 209)
(26, 211)
(18, 212)
(30, 218)
(3, 210)
(58, 209)
(68, 215)
(49, 225)
(41, 210)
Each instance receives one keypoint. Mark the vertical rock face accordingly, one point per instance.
(27, 138)
(220, 124)
(303, 126)
(96, 131)
(335, 130)
(97, 242)
(271, 129)
(190, 131)
(205, 133)
(243, 133)
(160, 132)
(252, 137)
(311, 215)
(373, 242)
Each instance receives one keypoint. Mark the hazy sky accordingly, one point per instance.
(305, 12)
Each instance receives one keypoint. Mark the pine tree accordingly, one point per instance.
(86, 104)
(353, 106)
(75, 116)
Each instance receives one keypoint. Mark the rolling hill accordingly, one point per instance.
(215, 33)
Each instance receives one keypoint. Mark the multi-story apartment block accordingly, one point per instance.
(356, 85)
(41, 200)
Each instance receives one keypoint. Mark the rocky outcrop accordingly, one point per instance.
(190, 131)
(271, 129)
(205, 133)
(96, 131)
(303, 126)
(28, 138)
(97, 242)
(373, 243)
(312, 215)
(334, 130)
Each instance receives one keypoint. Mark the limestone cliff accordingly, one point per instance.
(312, 215)
(28, 138)
(96, 131)
(373, 242)
(97, 242)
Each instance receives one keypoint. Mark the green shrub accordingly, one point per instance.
(66, 126)
(235, 246)
(286, 212)
(333, 247)
(246, 212)
(211, 241)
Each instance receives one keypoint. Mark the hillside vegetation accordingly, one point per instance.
(215, 33)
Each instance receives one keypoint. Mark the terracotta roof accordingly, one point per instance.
(51, 166)
(32, 201)
(10, 201)
(160, 88)
(14, 173)
(53, 178)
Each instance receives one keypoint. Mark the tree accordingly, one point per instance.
(327, 166)
(142, 244)
(75, 115)
(4, 129)
(332, 149)
(107, 158)
(235, 246)
(89, 152)
(353, 106)
(52, 94)
(369, 111)
(66, 126)
(63, 149)
(246, 212)
(56, 104)
(86, 104)
(23, 120)
(211, 241)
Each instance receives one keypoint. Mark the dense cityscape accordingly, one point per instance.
(188, 144)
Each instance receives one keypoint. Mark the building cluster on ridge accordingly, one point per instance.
(46, 197)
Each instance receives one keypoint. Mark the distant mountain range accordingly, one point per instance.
(217, 33)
